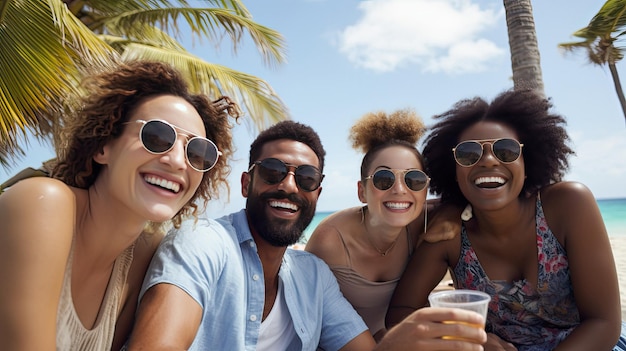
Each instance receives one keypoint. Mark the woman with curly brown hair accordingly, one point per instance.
(533, 242)
(368, 247)
(74, 247)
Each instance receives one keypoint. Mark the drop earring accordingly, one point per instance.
(467, 214)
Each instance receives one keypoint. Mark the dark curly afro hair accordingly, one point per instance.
(541, 131)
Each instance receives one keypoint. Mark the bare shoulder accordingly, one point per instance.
(326, 242)
(42, 189)
(571, 210)
(39, 206)
(564, 192)
(567, 199)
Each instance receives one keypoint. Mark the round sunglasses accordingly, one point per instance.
(467, 153)
(384, 179)
(273, 171)
(158, 137)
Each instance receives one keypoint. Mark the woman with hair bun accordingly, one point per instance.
(368, 247)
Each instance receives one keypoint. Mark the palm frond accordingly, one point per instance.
(254, 94)
(40, 65)
(204, 24)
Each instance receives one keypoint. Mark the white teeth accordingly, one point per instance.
(163, 183)
(482, 180)
(282, 204)
(397, 205)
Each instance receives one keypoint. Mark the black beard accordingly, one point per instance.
(276, 231)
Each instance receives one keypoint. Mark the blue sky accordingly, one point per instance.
(348, 57)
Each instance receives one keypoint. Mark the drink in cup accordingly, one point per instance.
(471, 300)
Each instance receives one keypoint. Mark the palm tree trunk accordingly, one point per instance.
(525, 61)
(618, 87)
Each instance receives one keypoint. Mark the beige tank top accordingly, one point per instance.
(370, 299)
(71, 334)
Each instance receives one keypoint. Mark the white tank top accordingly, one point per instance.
(277, 331)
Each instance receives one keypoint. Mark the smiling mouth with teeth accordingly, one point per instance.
(283, 205)
(490, 182)
(163, 183)
(397, 205)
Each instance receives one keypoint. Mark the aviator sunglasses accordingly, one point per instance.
(158, 137)
(384, 179)
(468, 153)
(273, 171)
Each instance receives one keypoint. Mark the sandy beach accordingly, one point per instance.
(618, 243)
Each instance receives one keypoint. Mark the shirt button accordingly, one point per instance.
(253, 317)
(251, 243)
(255, 277)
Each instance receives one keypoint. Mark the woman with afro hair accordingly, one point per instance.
(533, 242)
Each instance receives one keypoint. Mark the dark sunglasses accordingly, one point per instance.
(384, 179)
(468, 153)
(158, 137)
(273, 171)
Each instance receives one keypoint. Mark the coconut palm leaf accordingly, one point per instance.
(40, 64)
(215, 80)
(599, 40)
(52, 42)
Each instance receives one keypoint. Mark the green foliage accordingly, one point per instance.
(600, 37)
(47, 46)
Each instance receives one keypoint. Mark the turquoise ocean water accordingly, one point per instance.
(613, 212)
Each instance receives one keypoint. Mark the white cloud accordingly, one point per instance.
(438, 35)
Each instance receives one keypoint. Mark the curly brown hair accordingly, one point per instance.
(376, 131)
(112, 96)
(528, 113)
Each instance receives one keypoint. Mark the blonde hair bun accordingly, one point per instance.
(376, 128)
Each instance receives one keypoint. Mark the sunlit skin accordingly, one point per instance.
(387, 207)
(388, 214)
(130, 177)
(281, 213)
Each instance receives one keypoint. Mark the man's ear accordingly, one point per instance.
(102, 157)
(245, 183)
(361, 191)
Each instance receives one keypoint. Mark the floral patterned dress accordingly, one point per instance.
(532, 318)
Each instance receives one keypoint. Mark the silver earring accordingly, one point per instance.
(467, 214)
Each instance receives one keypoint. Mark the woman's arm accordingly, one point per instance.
(573, 215)
(38, 220)
(444, 221)
(427, 267)
(167, 319)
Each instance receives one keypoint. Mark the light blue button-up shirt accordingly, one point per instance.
(217, 264)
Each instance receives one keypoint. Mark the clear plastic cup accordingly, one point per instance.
(471, 300)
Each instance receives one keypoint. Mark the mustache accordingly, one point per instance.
(278, 195)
